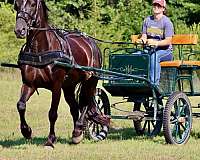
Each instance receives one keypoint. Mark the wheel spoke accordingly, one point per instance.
(153, 124)
(179, 131)
(173, 130)
(173, 114)
(145, 124)
(149, 127)
(184, 128)
(177, 109)
(183, 110)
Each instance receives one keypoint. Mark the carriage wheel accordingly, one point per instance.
(148, 127)
(96, 131)
(177, 119)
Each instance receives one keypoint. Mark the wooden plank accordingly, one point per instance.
(134, 38)
(175, 63)
(177, 39)
(178, 63)
(185, 39)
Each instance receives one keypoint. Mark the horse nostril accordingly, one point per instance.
(23, 32)
(20, 33)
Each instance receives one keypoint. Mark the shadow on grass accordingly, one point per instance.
(39, 141)
(114, 134)
(130, 134)
(195, 134)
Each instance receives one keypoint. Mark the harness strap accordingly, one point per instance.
(42, 59)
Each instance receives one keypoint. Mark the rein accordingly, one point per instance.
(45, 58)
(81, 33)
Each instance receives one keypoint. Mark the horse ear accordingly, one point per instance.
(44, 5)
(15, 6)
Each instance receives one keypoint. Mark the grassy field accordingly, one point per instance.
(120, 144)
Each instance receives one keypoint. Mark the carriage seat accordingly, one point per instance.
(181, 40)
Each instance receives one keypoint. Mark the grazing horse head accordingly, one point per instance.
(45, 44)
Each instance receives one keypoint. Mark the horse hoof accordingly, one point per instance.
(76, 140)
(49, 145)
(52, 139)
(26, 131)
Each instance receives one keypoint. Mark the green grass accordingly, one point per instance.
(122, 144)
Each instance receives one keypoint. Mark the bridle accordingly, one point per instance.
(32, 21)
(22, 14)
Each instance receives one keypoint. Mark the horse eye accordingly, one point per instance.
(33, 5)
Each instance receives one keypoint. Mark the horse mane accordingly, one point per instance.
(45, 9)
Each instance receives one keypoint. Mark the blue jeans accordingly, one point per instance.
(155, 59)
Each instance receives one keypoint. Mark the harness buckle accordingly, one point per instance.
(40, 58)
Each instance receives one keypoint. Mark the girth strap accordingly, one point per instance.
(43, 58)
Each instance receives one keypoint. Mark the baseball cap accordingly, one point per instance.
(160, 2)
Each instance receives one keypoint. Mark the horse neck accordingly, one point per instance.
(41, 39)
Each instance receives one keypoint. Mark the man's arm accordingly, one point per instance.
(165, 42)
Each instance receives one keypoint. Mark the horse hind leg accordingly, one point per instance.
(26, 93)
(88, 98)
(89, 109)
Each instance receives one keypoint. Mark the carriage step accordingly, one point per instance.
(135, 116)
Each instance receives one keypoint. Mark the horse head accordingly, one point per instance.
(30, 13)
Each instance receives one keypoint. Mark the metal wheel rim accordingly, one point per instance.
(180, 121)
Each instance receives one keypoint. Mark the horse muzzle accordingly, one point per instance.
(21, 28)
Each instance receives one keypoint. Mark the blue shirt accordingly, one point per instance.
(158, 29)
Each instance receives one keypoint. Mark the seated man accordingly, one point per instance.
(157, 30)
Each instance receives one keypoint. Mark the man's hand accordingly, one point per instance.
(141, 41)
(152, 42)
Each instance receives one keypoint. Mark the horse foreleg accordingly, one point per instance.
(74, 110)
(26, 93)
(70, 99)
(53, 115)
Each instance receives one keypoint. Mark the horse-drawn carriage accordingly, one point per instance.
(51, 59)
(127, 75)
